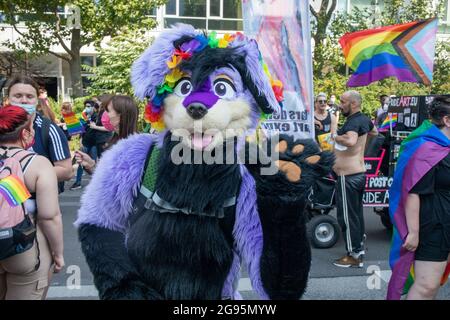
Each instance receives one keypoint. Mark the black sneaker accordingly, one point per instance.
(75, 186)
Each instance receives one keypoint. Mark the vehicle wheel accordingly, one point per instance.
(385, 219)
(323, 231)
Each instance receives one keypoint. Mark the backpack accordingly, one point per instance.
(17, 231)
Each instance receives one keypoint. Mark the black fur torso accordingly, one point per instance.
(187, 256)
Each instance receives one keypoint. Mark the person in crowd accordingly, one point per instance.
(5, 101)
(102, 135)
(87, 139)
(349, 144)
(121, 118)
(332, 106)
(66, 108)
(26, 275)
(324, 121)
(50, 141)
(421, 188)
(381, 112)
(44, 110)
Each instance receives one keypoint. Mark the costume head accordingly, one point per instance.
(197, 83)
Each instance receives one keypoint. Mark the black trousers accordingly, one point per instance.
(349, 200)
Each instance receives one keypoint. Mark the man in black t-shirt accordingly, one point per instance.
(349, 144)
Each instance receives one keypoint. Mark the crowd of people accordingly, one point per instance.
(37, 139)
(32, 134)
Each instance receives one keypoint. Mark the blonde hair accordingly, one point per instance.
(66, 107)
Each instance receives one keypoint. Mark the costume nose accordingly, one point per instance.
(196, 110)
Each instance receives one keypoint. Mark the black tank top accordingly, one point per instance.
(326, 125)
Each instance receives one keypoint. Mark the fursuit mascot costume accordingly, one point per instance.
(153, 228)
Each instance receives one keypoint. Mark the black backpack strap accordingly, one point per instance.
(30, 157)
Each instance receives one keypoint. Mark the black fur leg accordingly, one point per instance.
(114, 275)
(286, 257)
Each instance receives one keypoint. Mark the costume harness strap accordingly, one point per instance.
(148, 198)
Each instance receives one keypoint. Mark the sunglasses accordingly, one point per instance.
(322, 101)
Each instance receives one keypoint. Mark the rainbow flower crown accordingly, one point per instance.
(154, 111)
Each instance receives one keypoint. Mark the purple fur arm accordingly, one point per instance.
(248, 231)
(108, 198)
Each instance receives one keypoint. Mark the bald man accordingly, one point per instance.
(350, 170)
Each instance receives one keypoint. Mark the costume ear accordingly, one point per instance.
(254, 76)
(150, 69)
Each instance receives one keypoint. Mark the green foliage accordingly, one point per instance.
(113, 74)
(55, 106)
(92, 21)
(329, 64)
(98, 19)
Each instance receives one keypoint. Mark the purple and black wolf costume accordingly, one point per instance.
(153, 229)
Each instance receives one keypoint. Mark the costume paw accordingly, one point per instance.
(292, 153)
(299, 162)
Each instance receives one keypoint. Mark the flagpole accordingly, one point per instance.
(390, 123)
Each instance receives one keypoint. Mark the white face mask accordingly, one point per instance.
(30, 108)
(385, 107)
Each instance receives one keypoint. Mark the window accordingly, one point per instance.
(214, 8)
(171, 7)
(85, 82)
(342, 6)
(233, 9)
(87, 60)
(196, 23)
(371, 5)
(444, 24)
(225, 25)
(192, 8)
(205, 14)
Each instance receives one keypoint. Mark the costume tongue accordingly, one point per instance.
(200, 141)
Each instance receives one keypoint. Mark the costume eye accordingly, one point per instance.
(183, 88)
(224, 89)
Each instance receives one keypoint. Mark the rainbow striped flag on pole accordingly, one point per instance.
(73, 123)
(405, 51)
(420, 152)
(389, 122)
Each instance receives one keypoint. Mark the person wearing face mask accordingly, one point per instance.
(87, 140)
(102, 135)
(50, 141)
(26, 275)
(120, 117)
(349, 168)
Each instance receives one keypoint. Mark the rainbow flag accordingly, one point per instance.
(13, 190)
(421, 151)
(387, 122)
(405, 51)
(73, 123)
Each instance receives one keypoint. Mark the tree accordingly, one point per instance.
(113, 74)
(90, 23)
(11, 61)
(320, 23)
